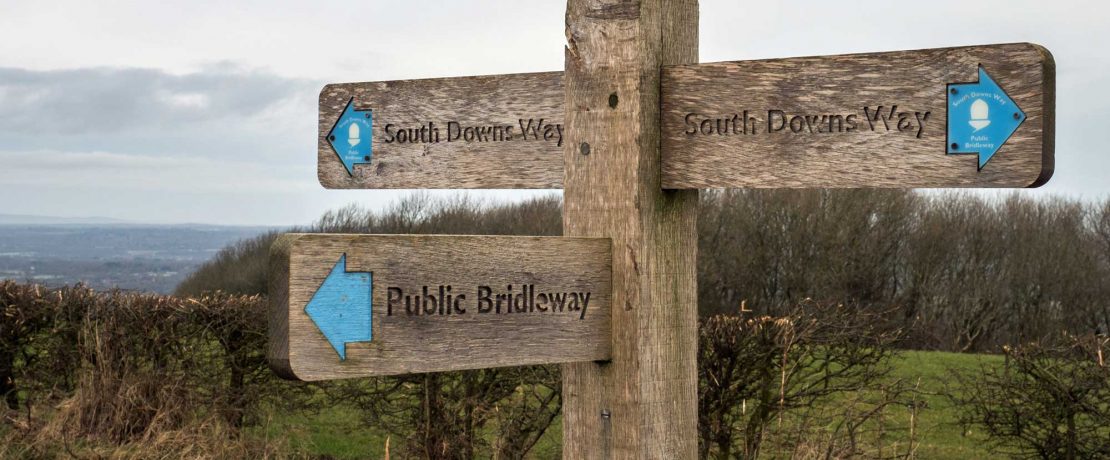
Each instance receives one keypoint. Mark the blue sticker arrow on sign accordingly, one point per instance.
(341, 307)
(350, 137)
(981, 117)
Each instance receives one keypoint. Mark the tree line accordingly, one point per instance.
(963, 272)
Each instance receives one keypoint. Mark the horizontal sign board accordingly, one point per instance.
(499, 131)
(347, 306)
(977, 116)
(980, 116)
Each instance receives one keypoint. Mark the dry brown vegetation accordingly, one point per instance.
(132, 371)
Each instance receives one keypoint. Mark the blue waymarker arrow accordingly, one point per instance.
(350, 137)
(341, 307)
(981, 117)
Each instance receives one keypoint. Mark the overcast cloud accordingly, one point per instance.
(195, 111)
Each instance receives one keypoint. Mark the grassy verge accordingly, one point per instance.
(338, 432)
(939, 434)
(330, 433)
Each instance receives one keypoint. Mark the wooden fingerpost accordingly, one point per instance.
(642, 403)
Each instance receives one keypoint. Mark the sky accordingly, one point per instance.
(205, 111)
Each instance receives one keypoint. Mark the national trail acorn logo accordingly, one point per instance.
(981, 118)
(350, 138)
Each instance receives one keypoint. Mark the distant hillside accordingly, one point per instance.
(24, 219)
(110, 255)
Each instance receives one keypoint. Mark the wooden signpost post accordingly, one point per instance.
(631, 130)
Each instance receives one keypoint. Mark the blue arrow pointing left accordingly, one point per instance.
(350, 137)
(341, 307)
(981, 117)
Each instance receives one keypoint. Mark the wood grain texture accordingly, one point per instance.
(914, 80)
(405, 344)
(277, 352)
(643, 403)
(470, 101)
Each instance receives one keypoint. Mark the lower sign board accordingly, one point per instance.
(346, 306)
(980, 116)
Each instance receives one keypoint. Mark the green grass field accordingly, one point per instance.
(338, 433)
(940, 434)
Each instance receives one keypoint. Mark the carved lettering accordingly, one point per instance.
(429, 132)
(442, 300)
(882, 118)
(392, 295)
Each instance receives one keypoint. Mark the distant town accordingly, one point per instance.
(104, 254)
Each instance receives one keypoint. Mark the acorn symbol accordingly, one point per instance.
(980, 114)
(352, 134)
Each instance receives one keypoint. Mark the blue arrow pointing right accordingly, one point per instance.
(341, 307)
(981, 117)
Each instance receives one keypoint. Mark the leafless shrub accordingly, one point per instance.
(154, 364)
(120, 368)
(523, 417)
(38, 330)
(451, 415)
(1048, 400)
(754, 372)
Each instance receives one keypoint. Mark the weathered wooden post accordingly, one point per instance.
(642, 403)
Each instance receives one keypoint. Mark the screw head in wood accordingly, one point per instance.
(584, 148)
(613, 101)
